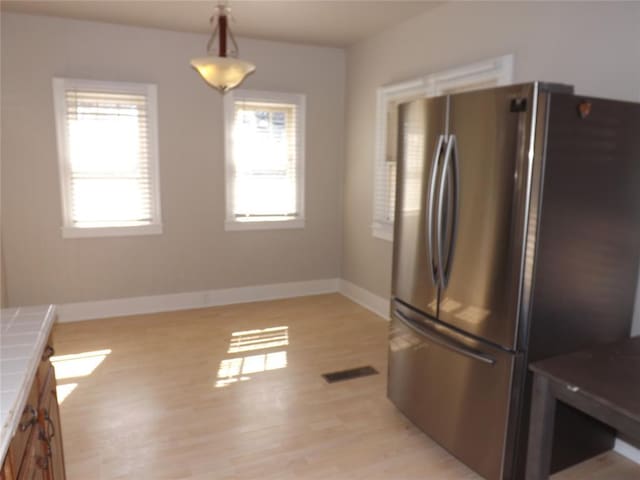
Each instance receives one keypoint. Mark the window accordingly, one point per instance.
(108, 157)
(494, 72)
(264, 160)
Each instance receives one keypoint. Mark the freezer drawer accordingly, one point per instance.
(455, 389)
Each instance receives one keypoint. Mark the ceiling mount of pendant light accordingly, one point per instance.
(225, 70)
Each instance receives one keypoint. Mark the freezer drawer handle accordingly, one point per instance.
(443, 341)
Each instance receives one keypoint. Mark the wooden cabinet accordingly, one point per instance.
(51, 431)
(35, 452)
(34, 464)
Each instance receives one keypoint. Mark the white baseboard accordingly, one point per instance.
(627, 450)
(73, 312)
(368, 300)
(117, 307)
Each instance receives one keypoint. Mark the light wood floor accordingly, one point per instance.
(160, 397)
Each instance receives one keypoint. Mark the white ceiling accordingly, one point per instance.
(321, 22)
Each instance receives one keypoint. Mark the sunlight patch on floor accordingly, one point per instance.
(258, 339)
(78, 364)
(234, 370)
(74, 366)
(63, 391)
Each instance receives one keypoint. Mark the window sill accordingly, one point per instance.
(383, 231)
(234, 225)
(88, 232)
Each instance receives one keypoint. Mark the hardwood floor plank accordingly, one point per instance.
(205, 394)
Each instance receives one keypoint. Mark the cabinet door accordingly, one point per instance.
(7, 471)
(28, 423)
(35, 465)
(56, 459)
(51, 431)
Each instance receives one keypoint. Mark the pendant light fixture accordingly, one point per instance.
(223, 71)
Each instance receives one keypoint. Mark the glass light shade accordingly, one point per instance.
(223, 73)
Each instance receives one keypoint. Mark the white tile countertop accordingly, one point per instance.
(23, 334)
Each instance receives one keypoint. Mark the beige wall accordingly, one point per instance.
(3, 286)
(594, 46)
(194, 252)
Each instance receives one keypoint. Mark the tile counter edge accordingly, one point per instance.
(11, 416)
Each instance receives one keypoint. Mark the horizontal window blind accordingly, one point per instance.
(265, 163)
(476, 76)
(385, 174)
(107, 169)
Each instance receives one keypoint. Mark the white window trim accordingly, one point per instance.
(231, 223)
(499, 69)
(399, 91)
(132, 230)
(235, 225)
(150, 90)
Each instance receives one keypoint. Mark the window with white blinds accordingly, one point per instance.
(107, 145)
(264, 160)
(485, 74)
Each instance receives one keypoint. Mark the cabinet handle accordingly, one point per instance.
(23, 426)
(46, 438)
(50, 422)
(48, 353)
(42, 462)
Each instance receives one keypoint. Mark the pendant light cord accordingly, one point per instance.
(221, 31)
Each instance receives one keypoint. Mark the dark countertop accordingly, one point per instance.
(609, 374)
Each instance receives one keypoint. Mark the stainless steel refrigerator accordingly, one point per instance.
(517, 237)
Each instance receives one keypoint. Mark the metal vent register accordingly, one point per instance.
(349, 374)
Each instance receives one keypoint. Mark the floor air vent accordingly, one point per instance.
(349, 374)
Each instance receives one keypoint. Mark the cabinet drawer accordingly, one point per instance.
(28, 424)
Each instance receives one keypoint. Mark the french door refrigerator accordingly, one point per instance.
(516, 238)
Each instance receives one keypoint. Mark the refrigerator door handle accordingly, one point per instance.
(431, 257)
(442, 340)
(448, 166)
